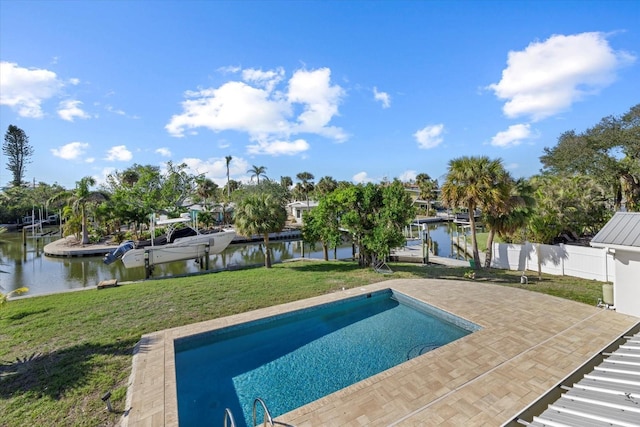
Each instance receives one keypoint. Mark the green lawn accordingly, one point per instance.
(60, 353)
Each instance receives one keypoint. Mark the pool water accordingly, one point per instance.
(293, 359)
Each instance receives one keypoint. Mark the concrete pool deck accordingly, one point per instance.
(528, 344)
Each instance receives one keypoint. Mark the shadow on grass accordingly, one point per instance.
(437, 271)
(22, 314)
(323, 267)
(53, 374)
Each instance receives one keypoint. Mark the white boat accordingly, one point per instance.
(192, 246)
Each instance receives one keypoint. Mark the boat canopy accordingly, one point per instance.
(172, 221)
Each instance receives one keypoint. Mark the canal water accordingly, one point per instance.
(28, 266)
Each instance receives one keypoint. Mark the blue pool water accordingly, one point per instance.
(293, 359)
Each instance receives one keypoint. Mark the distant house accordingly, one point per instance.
(296, 210)
(216, 210)
(621, 238)
(414, 193)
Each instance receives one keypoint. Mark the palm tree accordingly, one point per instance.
(205, 189)
(130, 177)
(326, 185)
(286, 181)
(228, 160)
(474, 183)
(257, 172)
(306, 186)
(78, 200)
(427, 187)
(260, 214)
(512, 215)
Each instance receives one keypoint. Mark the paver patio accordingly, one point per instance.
(528, 343)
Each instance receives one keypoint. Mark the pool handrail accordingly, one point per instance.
(267, 414)
(228, 416)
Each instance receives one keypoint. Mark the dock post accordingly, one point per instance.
(24, 237)
(206, 257)
(147, 266)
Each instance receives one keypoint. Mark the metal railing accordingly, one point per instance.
(228, 417)
(267, 414)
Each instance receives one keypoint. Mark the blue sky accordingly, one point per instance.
(356, 90)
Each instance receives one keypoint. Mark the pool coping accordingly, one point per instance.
(528, 343)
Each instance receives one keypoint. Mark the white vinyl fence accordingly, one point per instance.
(560, 260)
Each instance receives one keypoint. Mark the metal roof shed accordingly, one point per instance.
(621, 237)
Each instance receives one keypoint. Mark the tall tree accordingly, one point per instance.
(428, 189)
(474, 183)
(228, 161)
(374, 216)
(18, 151)
(306, 184)
(206, 190)
(257, 172)
(510, 215)
(322, 224)
(78, 200)
(326, 185)
(260, 213)
(177, 185)
(566, 205)
(286, 181)
(609, 152)
(135, 193)
(130, 177)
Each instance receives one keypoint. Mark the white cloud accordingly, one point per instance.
(429, 136)
(119, 112)
(110, 109)
(548, 77)
(267, 115)
(383, 97)
(512, 136)
(164, 152)
(74, 81)
(408, 175)
(70, 151)
(319, 99)
(277, 148)
(216, 168)
(119, 153)
(104, 173)
(232, 106)
(70, 109)
(230, 69)
(265, 79)
(25, 89)
(361, 178)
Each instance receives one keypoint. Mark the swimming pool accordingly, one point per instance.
(298, 357)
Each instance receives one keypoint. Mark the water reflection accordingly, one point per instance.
(28, 266)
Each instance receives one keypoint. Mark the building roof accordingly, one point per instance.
(303, 204)
(607, 395)
(622, 231)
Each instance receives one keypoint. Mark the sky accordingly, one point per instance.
(360, 91)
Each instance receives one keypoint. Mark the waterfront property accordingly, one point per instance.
(68, 265)
(528, 343)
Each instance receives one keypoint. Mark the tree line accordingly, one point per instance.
(585, 178)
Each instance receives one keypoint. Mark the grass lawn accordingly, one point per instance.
(60, 353)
